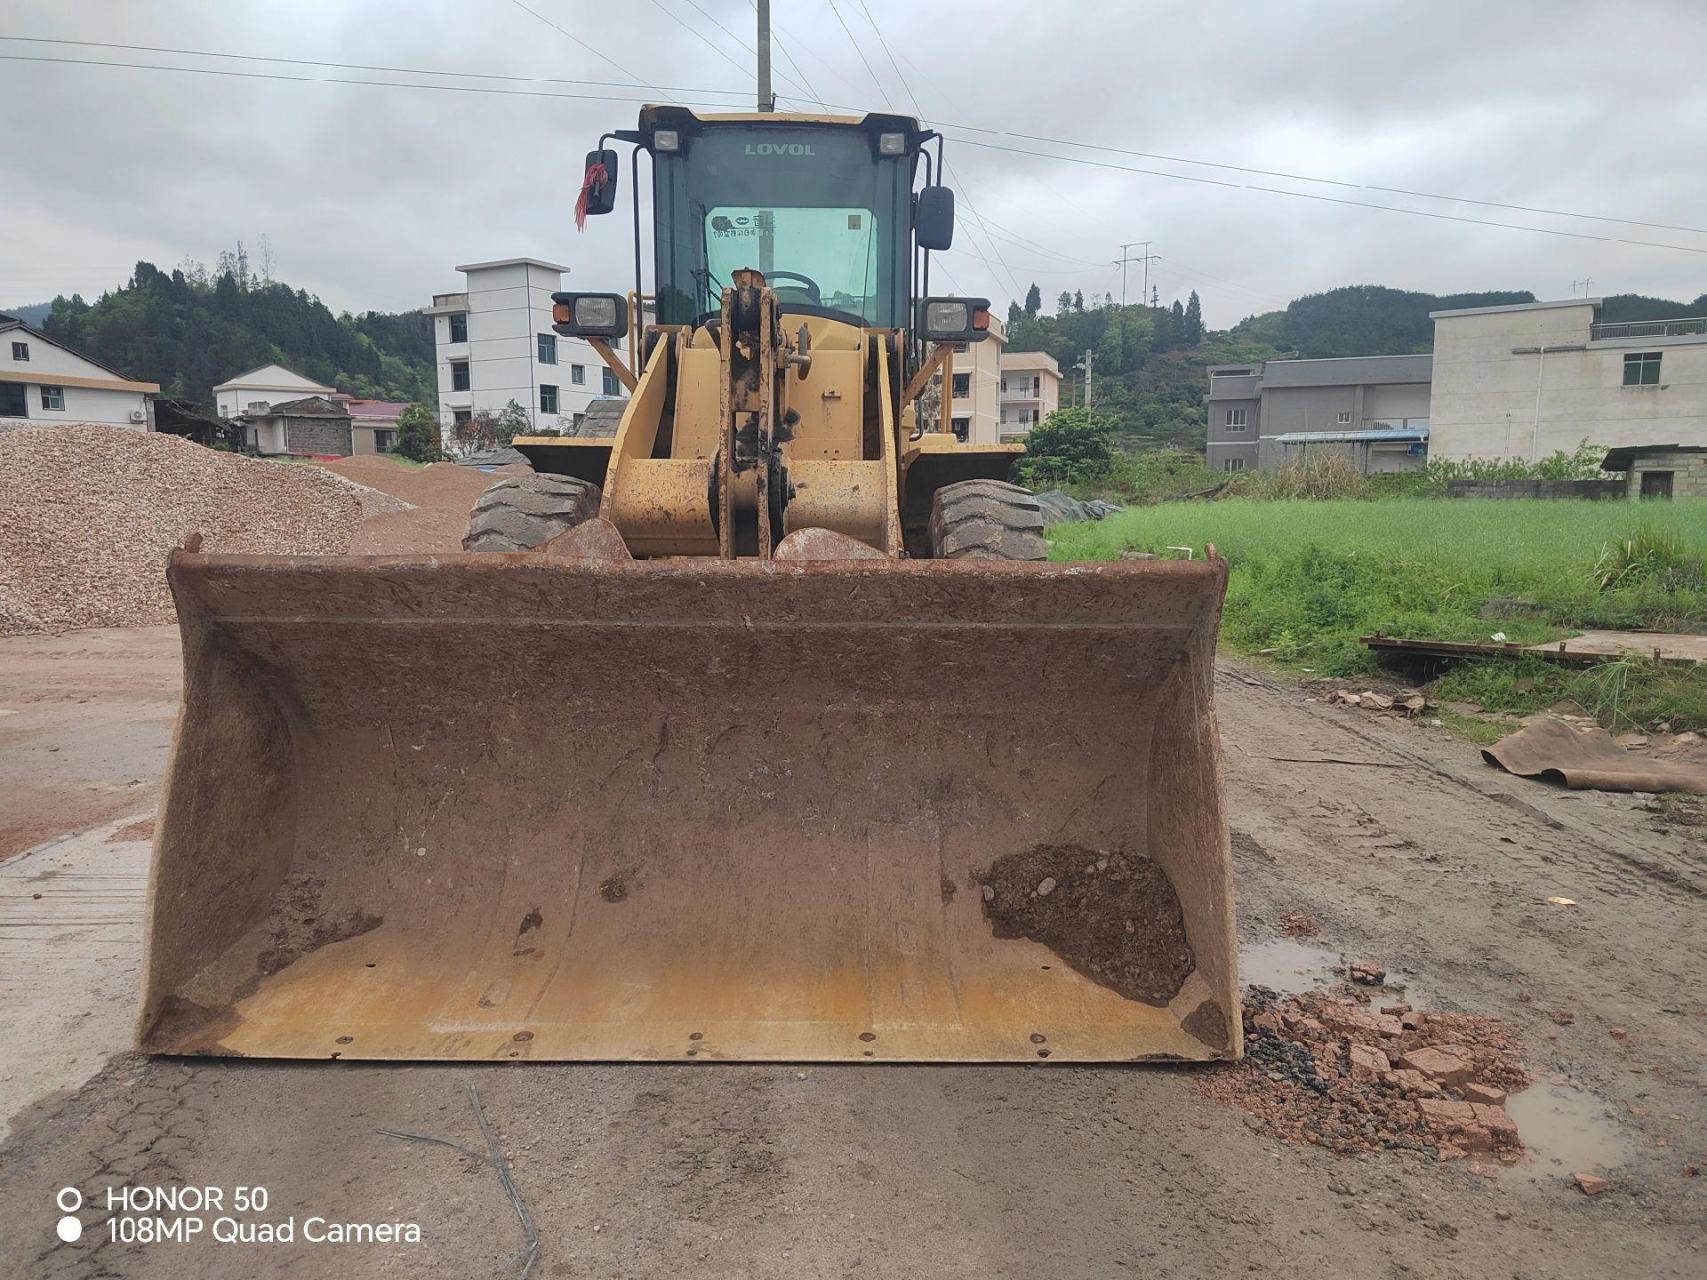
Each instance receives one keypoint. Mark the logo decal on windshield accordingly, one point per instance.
(779, 149)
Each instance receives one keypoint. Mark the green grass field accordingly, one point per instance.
(1309, 578)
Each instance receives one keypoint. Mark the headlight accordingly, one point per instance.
(954, 319)
(666, 140)
(589, 315)
(891, 144)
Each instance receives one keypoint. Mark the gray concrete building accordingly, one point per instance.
(1372, 409)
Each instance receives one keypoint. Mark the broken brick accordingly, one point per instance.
(1499, 1125)
(1617, 1033)
(1267, 1021)
(1474, 1091)
(1564, 1017)
(1447, 1064)
(1442, 1113)
(1368, 1062)
(1370, 975)
(1395, 1010)
(1414, 1082)
(1591, 1184)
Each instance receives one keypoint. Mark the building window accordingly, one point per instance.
(53, 398)
(962, 385)
(548, 348)
(459, 327)
(1345, 417)
(384, 441)
(459, 375)
(460, 416)
(611, 386)
(1036, 386)
(578, 374)
(14, 400)
(1235, 419)
(547, 398)
(1232, 464)
(20, 351)
(961, 426)
(1642, 369)
(1004, 386)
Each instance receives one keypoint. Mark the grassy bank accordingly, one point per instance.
(1309, 578)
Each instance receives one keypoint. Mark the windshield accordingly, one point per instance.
(813, 208)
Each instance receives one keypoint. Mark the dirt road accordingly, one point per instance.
(1406, 849)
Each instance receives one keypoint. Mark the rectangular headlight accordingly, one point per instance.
(949, 316)
(892, 144)
(589, 315)
(595, 311)
(954, 319)
(666, 140)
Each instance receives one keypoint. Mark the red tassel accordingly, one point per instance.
(596, 177)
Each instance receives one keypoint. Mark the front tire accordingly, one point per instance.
(986, 520)
(522, 511)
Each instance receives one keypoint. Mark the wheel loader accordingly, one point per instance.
(760, 730)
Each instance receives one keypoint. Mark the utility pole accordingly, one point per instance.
(1146, 258)
(767, 102)
(1085, 364)
(1587, 282)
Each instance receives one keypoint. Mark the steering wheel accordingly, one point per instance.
(813, 294)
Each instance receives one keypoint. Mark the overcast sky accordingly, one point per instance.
(369, 196)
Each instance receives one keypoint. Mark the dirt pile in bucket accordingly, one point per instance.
(1112, 916)
(1353, 1074)
(88, 514)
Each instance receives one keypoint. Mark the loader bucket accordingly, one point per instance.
(507, 806)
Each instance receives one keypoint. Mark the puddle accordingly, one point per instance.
(1566, 1130)
(1288, 966)
(1292, 966)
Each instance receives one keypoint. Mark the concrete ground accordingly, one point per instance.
(1398, 840)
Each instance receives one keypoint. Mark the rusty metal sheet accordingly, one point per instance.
(527, 807)
(1586, 757)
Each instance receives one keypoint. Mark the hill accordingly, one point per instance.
(1149, 363)
(188, 330)
(32, 313)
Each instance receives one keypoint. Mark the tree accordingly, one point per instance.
(1033, 300)
(1014, 313)
(1064, 303)
(1070, 446)
(1078, 300)
(418, 434)
(1193, 320)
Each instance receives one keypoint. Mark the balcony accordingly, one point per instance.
(1684, 328)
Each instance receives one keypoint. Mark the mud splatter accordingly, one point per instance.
(1113, 917)
(530, 924)
(616, 888)
(300, 926)
(141, 829)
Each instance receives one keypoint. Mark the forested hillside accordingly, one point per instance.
(1148, 367)
(189, 329)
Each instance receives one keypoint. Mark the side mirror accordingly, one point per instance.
(589, 315)
(933, 218)
(953, 319)
(598, 185)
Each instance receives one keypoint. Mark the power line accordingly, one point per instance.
(948, 169)
(363, 66)
(1332, 182)
(1080, 160)
(882, 96)
(750, 49)
(1308, 195)
(378, 84)
(571, 36)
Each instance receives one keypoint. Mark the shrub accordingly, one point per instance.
(1070, 446)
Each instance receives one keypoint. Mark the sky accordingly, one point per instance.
(369, 195)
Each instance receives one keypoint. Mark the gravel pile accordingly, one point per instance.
(88, 513)
(1353, 1075)
(443, 484)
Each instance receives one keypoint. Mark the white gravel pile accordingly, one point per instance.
(88, 513)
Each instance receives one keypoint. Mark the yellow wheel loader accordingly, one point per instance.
(767, 734)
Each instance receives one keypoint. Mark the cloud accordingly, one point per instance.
(369, 196)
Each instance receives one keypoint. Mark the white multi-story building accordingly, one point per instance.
(43, 383)
(495, 344)
(1031, 391)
